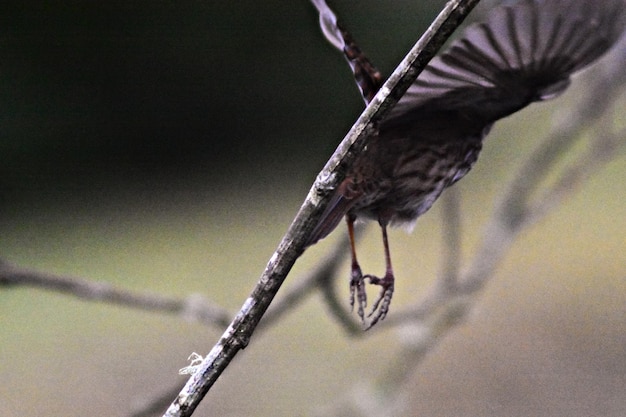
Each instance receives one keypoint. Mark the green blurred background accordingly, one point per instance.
(165, 147)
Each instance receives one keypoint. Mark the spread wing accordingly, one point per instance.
(521, 53)
(337, 208)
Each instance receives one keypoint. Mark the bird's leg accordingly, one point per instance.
(357, 284)
(381, 306)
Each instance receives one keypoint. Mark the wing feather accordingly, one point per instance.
(522, 53)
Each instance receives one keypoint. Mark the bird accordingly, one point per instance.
(522, 52)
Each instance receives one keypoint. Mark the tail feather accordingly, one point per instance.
(336, 210)
(521, 53)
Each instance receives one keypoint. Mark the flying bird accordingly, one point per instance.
(521, 53)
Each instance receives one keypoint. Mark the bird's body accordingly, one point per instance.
(399, 177)
(522, 53)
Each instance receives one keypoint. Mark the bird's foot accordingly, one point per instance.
(381, 305)
(358, 295)
(357, 291)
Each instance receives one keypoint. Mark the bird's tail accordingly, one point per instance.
(522, 52)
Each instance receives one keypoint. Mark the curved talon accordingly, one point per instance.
(384, 299)
(380, 307)
(357, 285)
(357, 280)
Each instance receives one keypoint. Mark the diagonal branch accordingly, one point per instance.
(318, 278)
(237, 335)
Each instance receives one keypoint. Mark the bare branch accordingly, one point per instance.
(604, 147)
(194, 307)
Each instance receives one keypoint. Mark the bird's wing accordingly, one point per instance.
(521, 53)
(341, 202)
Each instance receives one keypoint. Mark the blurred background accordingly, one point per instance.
(166, 147)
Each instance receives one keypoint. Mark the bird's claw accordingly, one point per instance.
(358, 294)
(382, 303)
(357, 286)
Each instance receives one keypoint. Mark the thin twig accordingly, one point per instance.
(194, 307)
(604, 148)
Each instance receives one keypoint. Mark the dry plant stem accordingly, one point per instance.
(605, 147)
(240, 330)
(194, 307)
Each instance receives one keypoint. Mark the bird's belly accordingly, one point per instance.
(402, 206)
(411, 193)
(407, 210)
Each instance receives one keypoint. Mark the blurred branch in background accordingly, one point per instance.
(193, 308)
